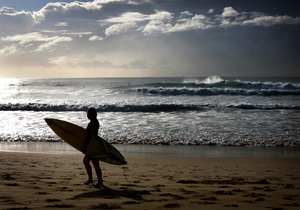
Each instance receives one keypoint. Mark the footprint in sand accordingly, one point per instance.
(105, 206)
(291, 204)
(52, 200)
(12, 184)
(172, 205)
(5, 199)
(209, 199)
(41, 193)
(291, 197)
(7, 177)
(231, 205)
(60, 206)
(131, 202)
(65, 189)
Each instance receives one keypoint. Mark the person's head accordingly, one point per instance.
(91, 113)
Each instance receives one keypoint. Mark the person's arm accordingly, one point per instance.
(86, 140)
(89, 133)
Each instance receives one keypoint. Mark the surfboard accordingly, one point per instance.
(75, 135)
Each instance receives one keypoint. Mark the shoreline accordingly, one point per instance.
(159, 150)
(55, 181)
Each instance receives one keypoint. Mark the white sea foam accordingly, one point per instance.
(208, 80)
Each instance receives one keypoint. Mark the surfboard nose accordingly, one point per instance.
(48, 121)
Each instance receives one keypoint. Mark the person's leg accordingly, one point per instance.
(98, 171)
(86, 162)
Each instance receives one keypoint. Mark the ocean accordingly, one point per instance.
(212, 111)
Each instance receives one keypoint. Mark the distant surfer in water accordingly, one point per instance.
(91, 130)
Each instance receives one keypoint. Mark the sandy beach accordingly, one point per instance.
(55, 181)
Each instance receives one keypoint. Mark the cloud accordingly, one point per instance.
(157, 22)
(96, 17)
(64, 33)
(62, 10)
(163, 22)
(61, 24)
(91, 62)
(22, 39)
(229, 12)
(210, 11)
(185, 13)
(120, 28)
(52, 43)
(138, 64)
(196, 22)
(41, 42)
(7, 11)
(272, 20)
(13, 22)
(95, 38)
(127, 17)
(9, 50)
(80, 61)
(90, 10)
(139, 17)
(157, 27)
(231, 17)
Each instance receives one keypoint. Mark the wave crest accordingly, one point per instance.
(134, 108)
(218, 86)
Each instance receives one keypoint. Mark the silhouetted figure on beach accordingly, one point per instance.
(92, 130)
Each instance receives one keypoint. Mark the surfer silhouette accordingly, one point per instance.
(91, 130)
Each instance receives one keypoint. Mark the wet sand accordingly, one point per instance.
(55, 181)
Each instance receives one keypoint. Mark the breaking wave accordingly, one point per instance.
(218, 86)
(135, 108)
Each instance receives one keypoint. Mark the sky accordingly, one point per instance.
(149, 38)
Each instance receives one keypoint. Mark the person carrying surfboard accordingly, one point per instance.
(92, 130)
